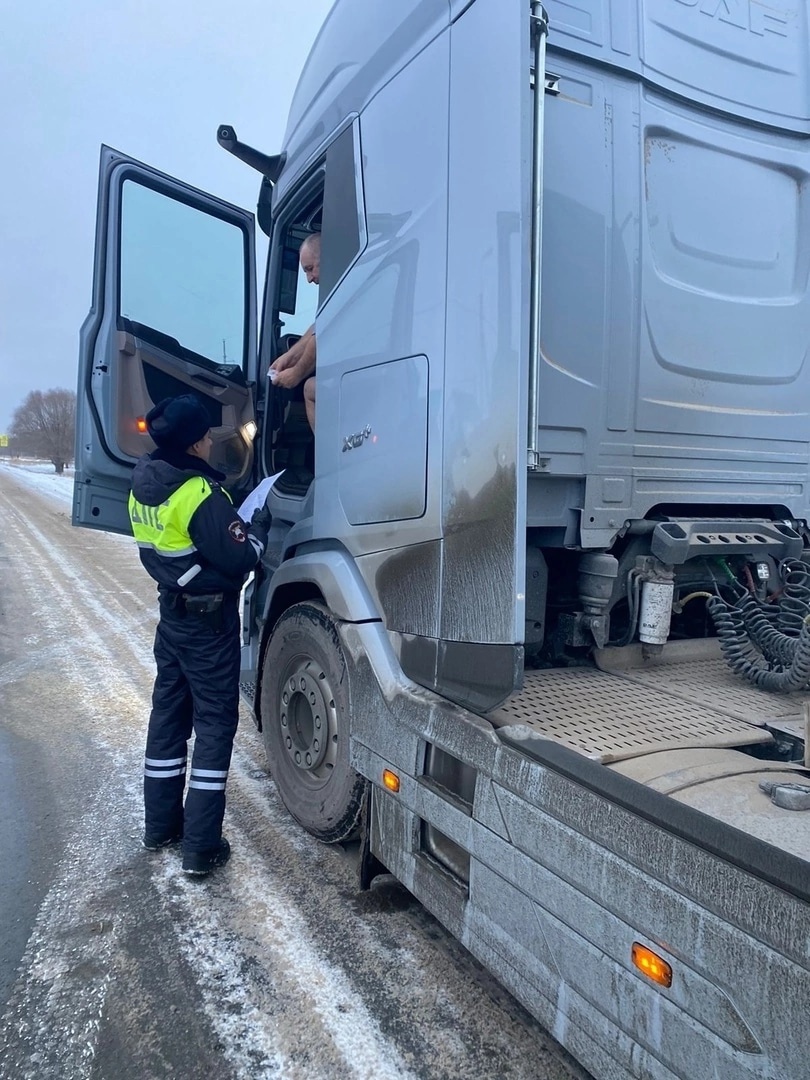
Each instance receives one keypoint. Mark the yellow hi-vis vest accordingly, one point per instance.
(164, 528)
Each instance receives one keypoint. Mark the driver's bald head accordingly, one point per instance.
(310, 256)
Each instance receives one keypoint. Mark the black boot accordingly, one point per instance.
(152, 843)
(203, 862)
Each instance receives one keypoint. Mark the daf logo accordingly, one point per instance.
(746, 14)
(352, 442)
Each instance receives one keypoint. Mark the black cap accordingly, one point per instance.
(178, 423)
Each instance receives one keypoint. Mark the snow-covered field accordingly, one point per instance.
(41, 476)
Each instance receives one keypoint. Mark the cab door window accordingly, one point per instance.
(182, 275)
(183, 303)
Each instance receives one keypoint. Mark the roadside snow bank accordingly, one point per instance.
(40, 476)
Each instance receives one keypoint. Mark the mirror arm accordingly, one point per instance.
(269, 166)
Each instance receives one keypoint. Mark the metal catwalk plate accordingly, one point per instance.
(611, 717)
(697, 672)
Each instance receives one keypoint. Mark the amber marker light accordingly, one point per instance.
(390, 780)
(140, 423)
(651, 965)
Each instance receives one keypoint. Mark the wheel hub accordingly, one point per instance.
(308, 718)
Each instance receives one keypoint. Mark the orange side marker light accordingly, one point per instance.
(390, 780)
(140, 423)
(651, 964)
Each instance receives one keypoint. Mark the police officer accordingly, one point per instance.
(198, 550)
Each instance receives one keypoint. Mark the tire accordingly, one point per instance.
(305, 709)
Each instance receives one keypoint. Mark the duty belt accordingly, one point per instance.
(202, 603)
(193, 603)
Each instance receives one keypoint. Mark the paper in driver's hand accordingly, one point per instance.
(257, 497)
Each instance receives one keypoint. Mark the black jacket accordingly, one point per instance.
(224, 549)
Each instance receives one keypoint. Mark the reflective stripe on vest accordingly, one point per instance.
(164, 528)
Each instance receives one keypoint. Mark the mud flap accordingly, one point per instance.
(369, 866)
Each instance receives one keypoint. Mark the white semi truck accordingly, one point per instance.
(533, 616)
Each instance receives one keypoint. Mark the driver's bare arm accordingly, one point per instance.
(298, 362)
(289, 358)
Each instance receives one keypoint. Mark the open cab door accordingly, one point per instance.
(174, 312)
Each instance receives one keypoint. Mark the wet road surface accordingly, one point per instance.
(113, 964)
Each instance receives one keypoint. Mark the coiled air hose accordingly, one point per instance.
(759, 652)
(794, 603)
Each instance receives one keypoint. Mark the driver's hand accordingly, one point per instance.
(281, 363)
(286, 378)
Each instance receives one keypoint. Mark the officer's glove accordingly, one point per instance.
(262, 517)
(259, 528)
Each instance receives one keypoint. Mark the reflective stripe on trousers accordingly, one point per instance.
(162, 768)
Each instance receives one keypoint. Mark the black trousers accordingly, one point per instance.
(196, 688)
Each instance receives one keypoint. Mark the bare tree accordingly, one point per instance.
(45, 426)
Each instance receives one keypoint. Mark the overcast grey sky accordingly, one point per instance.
(152, 78)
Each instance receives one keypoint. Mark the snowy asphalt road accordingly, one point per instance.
(113, 965)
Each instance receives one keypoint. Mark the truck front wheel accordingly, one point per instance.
(305, 707)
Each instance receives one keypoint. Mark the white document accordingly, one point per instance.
(257, 497)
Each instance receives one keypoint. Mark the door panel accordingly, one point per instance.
(173, 312)
(145, 375)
